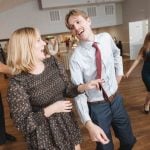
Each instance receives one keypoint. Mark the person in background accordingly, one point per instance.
(4, 136)
(38, 92)
(120, 46)
(144, 54)
(53, 47)
(115, 40)
(3, 56)
(67, 41)
(98, 112)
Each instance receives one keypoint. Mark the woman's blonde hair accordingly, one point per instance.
(21, 49)
(74, 12)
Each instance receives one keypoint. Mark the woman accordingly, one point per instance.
(144, 54)
(37, 94)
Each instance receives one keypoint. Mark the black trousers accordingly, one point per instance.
(2, 123)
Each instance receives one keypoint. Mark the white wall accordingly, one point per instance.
(137, 32)
(133, 10)
(29, 14)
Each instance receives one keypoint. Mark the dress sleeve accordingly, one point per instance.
(21, 110)
(71, 90)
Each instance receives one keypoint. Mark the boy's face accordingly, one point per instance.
(80, 27)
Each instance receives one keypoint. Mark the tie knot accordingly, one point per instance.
(95, 45)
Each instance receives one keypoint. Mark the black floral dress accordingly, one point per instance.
(28, 94)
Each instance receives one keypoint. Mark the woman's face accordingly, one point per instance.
(39, 47)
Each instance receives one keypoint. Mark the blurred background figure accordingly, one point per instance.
(4, 136)
(144, 54)
(2, 55)
(115, 40)
(120, 46)
(52, 45)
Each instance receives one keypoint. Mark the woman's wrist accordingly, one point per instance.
(81, 88)
(48, 111)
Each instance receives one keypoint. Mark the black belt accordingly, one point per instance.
(111, 98)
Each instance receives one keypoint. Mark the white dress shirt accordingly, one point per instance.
(83, 69)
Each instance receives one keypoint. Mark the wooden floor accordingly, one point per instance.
(133, 91)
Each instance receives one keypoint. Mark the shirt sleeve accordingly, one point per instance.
(117, 58)
(80, 100)
(21, 111)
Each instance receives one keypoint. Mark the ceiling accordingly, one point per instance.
(8, 4)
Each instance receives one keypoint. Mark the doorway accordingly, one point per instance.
(137, 32)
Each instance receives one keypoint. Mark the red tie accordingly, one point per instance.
(98, 60)
(99, 68)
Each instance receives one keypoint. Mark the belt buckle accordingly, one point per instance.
(111, 98)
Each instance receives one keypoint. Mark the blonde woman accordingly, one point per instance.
(144, 54)
(37, 94)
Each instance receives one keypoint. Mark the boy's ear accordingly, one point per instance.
(89, 20)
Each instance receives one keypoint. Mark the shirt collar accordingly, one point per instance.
(97, 40)
(87, 44)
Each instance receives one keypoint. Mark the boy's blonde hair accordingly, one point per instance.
(21, 50)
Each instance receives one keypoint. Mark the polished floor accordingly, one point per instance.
(133, 91)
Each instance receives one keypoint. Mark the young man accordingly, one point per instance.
(98, 114)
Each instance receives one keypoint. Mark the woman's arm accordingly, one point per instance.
(25, 118)
(57, 107)
(133, 66)
(28, 118)
(72, 90)
(4, 69)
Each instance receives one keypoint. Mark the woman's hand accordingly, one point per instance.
(57, 107)
(62, 106)
(118, 78)
(90, 85)
(127, 75)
